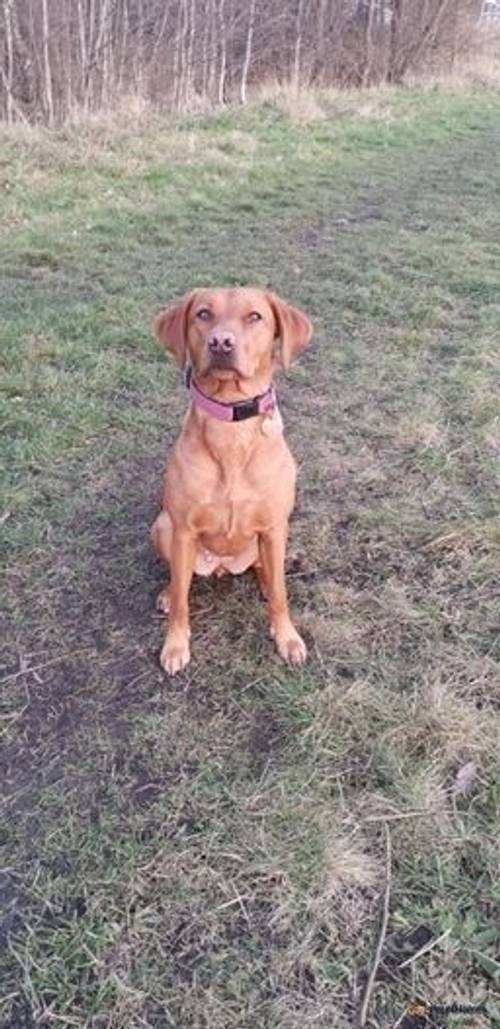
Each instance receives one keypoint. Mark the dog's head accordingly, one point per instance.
(233, 333)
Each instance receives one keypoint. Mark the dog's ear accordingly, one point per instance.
(171, 327)
(293, 329)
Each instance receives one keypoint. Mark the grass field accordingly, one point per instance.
(210, 852)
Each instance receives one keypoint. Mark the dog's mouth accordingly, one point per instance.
(221, 364)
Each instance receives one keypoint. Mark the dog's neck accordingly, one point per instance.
(232, 445)
(232, 442)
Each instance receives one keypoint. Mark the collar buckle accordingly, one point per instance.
(245, 409)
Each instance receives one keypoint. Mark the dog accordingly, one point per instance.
(230, 481)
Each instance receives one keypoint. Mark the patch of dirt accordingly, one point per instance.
(87, 647)
(265, 739)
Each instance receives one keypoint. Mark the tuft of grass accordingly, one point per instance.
(209, 852)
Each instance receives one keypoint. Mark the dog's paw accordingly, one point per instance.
(175, 655)
(291, 646)
(163, 601)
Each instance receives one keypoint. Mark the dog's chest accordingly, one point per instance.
(235, 510)
(230, 483)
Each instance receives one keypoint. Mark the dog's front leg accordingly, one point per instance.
(175, 653)
(290, 645)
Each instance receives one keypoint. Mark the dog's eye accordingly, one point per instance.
(254, 316)
(204, 314)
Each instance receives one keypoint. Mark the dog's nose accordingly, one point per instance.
(221, 343)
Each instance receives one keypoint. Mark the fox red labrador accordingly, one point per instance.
(230, 481)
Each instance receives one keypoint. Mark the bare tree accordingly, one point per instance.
(211, 18)
(248, 52)
(183, 55)
(8, 73)
(396, 16)
(319, 47)
(298, 44)
(426, 36)
(368, 58)
(223, 50)
(58, 54)
(82, 38)
(190, 71)
(49, 98)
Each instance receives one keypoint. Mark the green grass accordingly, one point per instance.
(209, 852)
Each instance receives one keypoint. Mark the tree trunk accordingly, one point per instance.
(106, 66)
(122, 57)
(83, 48)
(320, 41)
(8, 74)
(89, 21)
(69, 60)
(212, 51)
(393, 74)
(204, 53)
(189, 91)
(368, 59)
(223, 52)
(139, 46)
(183, 69)
(176, 64)
(248, 52)
(47, 71)
(298, 46)
(99, 43)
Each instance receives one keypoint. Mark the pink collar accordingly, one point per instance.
(264, 403)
